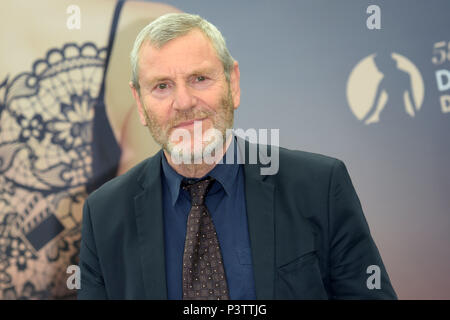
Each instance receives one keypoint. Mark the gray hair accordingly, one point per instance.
(173, 25)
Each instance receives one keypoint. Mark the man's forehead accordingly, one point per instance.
(194, 43)
(189, 53)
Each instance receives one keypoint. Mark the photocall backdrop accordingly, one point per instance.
(376, 98)
(315, 70)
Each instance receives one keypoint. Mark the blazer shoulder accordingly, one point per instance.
(303, 163)
(122, 185)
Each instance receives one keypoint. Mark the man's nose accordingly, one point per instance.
(184, 98)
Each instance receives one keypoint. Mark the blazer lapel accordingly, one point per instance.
(149, 222)
(259, 196)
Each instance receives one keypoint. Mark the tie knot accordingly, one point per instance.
(198, 189)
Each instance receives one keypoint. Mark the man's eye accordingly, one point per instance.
(162, 86)
(200, 78)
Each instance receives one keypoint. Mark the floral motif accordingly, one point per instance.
(76, 128)
(18, 250)
(35, 128)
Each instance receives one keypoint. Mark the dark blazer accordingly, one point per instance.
(308, 235)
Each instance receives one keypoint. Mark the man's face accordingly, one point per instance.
(181, 82)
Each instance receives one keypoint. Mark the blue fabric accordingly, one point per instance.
(106, 151)
(226, 203)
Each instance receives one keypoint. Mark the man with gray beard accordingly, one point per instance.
(188, 224)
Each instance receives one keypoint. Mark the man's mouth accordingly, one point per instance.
(187, 124)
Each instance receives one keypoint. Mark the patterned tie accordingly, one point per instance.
(203, 272)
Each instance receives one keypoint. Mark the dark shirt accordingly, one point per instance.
(226, 203)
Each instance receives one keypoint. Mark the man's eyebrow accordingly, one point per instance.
(157, 79)
(199, 71)
(206, 70)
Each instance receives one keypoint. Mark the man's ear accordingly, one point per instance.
(235, 77)
(140, 107)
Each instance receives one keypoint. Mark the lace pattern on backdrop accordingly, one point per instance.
(46, 129)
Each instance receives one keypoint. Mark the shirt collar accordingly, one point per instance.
(224, 173)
